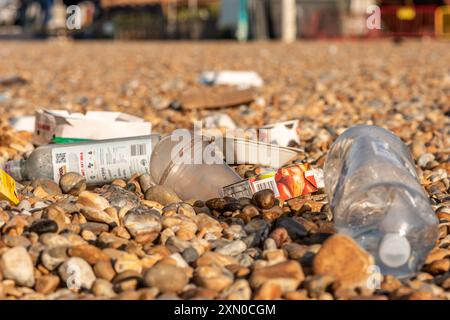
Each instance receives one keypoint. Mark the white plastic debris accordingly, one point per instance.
(241, 79)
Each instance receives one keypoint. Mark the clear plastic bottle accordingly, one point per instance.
(376, 198)
(99, 161)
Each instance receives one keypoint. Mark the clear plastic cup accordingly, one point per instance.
(196, 179)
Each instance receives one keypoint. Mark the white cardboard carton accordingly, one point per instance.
(23, 123)
(242, 151)
(95, 125)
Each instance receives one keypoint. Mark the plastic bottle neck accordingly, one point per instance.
(394, 250)
(17, 169)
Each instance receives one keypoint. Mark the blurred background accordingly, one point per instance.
(222, 19)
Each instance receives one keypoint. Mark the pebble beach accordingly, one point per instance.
(134, 240)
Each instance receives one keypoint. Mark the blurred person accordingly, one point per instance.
(47, 6)
(21, 16)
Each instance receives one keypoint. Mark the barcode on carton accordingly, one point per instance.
(268, 183)
(138, 149)
(238, 190)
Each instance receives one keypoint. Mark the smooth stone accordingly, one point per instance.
(137, 224)
(272, 214)
(438, 266)
(300, 205)
(215, 259)
(121, 198)
(125, 265)
(232, 206)
(208, 223)
(190, 255)
(268, 291)
(167, 278)
(213, 277)
(233, 249)
(127, 275)
(437, 254)
(239, 290)
(217, 204)
(102, 288)
(16, 264)
(47, 284)
(87, 252)
(103, 269)
(49, 186)
(95, 215)
(115, 254)
(246, 260)
(43, 226)
(162, 195)
(248, 212)
(235, 232)
(35, 251)
(67, 205)
(53, 257)
(16, 241)
(95, 227)
(295, 229)
(72, 183)
(77, 273)
(109, 240)
(74, 238)
(318, 284)
(424, 159)
(258, 231)
(54, 240)
(92, 200)
(186, 210)
(341, 257)
(288, 275)
(280, 236)
(295, 251)
(146, 182)
(264, 199)
(58, 215)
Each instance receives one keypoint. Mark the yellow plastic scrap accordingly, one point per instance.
(8, 188)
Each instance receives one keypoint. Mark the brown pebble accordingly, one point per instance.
(47, 284)
(103, 269)
(264, 199)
